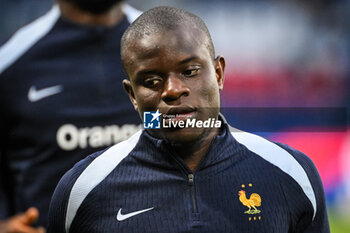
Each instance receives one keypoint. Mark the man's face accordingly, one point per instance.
(94, 6)
(174, 72)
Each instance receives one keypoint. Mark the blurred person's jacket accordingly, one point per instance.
(61, 97)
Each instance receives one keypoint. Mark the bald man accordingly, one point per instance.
(187, 171)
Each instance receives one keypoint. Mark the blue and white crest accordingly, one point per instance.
(151, 120)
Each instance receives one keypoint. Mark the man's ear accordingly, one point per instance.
(219, 71)
(130, 91)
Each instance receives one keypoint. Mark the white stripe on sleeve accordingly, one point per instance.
(26, 37)
(131, 13)
(280, 158)
(96, 172)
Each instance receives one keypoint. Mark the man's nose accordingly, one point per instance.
(174, 88)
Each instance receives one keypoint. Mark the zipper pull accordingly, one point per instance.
(190, 179)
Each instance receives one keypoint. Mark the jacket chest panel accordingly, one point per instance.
(230, 203)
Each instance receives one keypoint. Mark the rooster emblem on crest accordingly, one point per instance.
(253, 202)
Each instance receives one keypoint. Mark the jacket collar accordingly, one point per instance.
(157, 151)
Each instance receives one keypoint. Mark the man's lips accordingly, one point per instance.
(180, 110)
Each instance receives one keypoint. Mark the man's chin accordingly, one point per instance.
(182, 136)
(94, 6)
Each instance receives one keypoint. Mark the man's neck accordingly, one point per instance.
(194, 152)
(112, 17)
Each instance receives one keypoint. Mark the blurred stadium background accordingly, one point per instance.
(280, 54)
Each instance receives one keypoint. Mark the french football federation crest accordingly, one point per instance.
(252, 202)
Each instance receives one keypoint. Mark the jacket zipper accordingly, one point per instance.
(193, 192)
(190, 177)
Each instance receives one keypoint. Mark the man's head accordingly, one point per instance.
(94, 6)
(168, 56)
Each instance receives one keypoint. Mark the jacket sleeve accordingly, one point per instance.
(59, 200)
(306, 223)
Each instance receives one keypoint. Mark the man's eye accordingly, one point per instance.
(152, 82)
(191, 72)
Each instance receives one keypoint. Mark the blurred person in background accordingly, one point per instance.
(16, 14)
(60, 98)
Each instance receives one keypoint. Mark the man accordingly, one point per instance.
(187, 172)
(60, 97)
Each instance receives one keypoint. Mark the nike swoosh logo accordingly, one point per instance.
(36, 95)
(121, 217)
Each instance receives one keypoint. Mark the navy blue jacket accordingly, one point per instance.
(61, 98)
(244, 184)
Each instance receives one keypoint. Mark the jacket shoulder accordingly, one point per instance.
(26, 37)
(59, 201)
(77, 183)
(281, 158)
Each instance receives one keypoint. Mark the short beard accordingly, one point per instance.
(94, 6)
